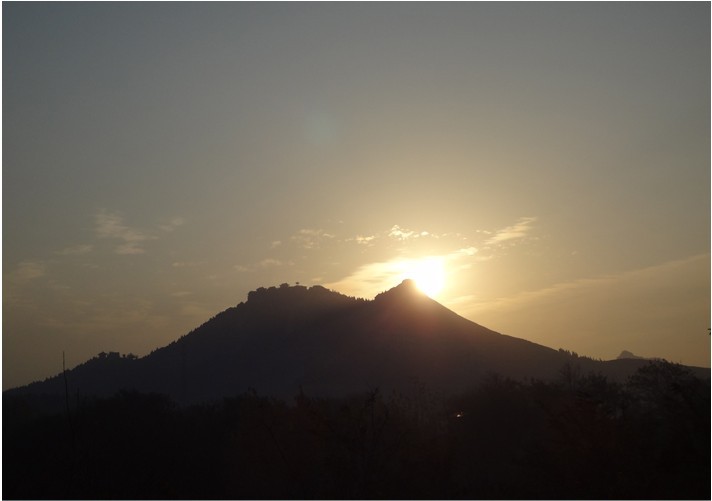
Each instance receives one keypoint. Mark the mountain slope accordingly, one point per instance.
(285, 339)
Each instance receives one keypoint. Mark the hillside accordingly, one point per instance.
(284, 340)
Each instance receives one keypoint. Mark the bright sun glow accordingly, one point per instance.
(428, 274)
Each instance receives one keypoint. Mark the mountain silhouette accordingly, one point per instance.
(630, 354)
(290, 339)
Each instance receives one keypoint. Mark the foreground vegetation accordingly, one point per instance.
(579, 437)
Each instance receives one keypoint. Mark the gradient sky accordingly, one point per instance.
(161, 160)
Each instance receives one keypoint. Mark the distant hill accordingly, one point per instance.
(284, 340)
(625, 354)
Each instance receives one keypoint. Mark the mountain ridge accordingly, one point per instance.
(288, 339)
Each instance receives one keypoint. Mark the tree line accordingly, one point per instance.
(580, 436)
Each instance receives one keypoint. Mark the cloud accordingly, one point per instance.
(25, 274)
(27, 271)
(196, 310)
(76, 250)
(310, 238)
(129, 249)
(370, 279)
(469, 251)
(186, 264)
(172, 224)
(263, 265)
(365, 240)
(657, 311)
(111, 226)
(517, 230)
(111, 315)
(558, 291)
(399, 233)
(270, 263)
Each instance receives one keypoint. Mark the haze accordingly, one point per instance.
(162, 160)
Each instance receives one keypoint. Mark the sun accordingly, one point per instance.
(428, 274)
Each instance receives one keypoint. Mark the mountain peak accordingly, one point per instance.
(407, 283)
(407, 286)
(407, 289)
(627, 354)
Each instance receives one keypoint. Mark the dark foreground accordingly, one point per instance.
(579, 437)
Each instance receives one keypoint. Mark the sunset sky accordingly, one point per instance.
(161, 160)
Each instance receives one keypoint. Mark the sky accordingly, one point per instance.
(161, 160)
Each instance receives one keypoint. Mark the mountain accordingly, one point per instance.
(284, 340)
(629, 354)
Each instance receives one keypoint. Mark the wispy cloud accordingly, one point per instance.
(27, 271)
(270, 263)
(111, 226)
(610, 282)
(517, 230)
(196, 310)
(76, 250)
(661, 310)
(186, 264)
(310, 238)
(172, 224)
(361, 240)
(18, 284)
(370, 279)
(468, 251)
(111, 315)
(263, 265)
(399, 233)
